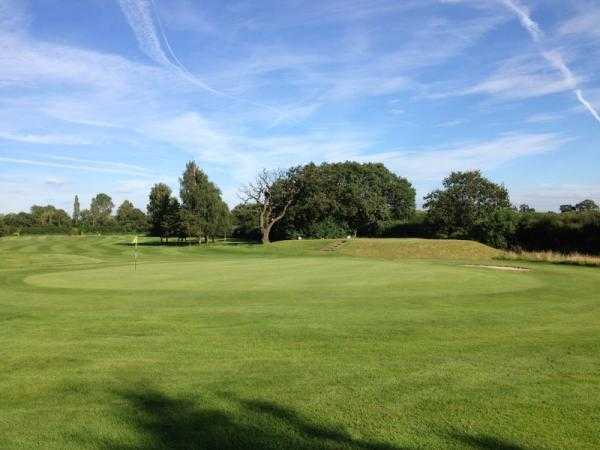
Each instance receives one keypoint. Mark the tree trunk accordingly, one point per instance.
(265, 234)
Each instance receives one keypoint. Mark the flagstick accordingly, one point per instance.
(135, 243)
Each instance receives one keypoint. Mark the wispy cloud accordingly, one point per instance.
(45, 139)
(243, 155)
(521, 77)
(55, 182)
(451, 123)
(585, 22)
(544, 117)
(554, 57)
(184, 15)
(80, 165)
(432, 164)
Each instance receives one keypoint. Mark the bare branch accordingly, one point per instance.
(274, 191)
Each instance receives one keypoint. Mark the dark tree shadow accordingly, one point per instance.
(163, 422)
(481, 441)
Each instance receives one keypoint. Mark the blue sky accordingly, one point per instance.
(115, 95)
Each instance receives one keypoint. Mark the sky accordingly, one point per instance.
(116, 95)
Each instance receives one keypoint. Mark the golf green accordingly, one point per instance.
(289, 346)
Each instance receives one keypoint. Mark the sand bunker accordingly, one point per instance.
(509, 268)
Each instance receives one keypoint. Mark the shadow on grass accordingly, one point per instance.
(481, 441)
(163, 422)
(189, 243)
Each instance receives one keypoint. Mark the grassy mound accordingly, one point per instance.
(418, 249)
(430, 249)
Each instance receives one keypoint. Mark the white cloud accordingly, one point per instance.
(547, 197)
(45, 139)
(544, 117)
(55, 182)
(520, 77)
(241, 156)
(585, 22)
(244, 155)
(184, 15)
(79, 165)
(485, 155)
(451, 123)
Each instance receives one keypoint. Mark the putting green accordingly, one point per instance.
(291, 274)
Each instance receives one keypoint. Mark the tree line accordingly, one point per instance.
(97, 218)
(328, 200)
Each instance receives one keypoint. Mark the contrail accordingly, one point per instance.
(150, 35)
(144, 25)
(553, 57)
(587, 104)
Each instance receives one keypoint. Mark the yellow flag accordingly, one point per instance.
(135, 241)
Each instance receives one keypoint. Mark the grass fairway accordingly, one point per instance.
(374, 345)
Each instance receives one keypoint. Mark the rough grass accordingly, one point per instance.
(289, 347)
(432, 249)
(575, 259)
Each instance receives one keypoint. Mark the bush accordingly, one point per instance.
(328, 229)
(569, 232)
(417, 226)
(498, 229)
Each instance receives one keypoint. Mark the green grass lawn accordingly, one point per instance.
(395, 344)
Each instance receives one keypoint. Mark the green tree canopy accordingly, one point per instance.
(203, 211)
(101, 209)
(349, 197)
(467, 205)
(130, 218)
(160, 210)
(49, 215)
(245, 217)
(586, 205)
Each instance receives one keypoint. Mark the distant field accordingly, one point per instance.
(366, 344)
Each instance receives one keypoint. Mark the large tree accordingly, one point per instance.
(130, 219)
(566, 208)
(203, 210)
(336, 199)
(274, 192)
(161, 208)
(76, 210)
(101, 209)
(467, 204)
(586, 205)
